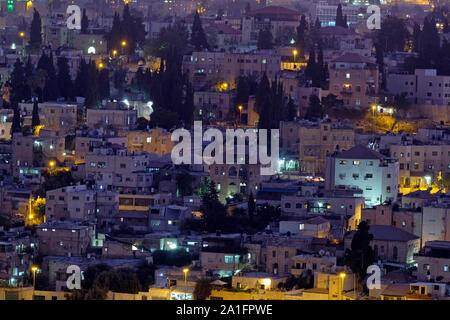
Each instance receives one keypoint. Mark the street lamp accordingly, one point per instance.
(22, 34)
(374, 107)
(34, 269)
(295, 53)
(124, 43)
(342, 275)
(100, 65)
(114, 53)
(185, 271)
(51, 164)
(240, 113)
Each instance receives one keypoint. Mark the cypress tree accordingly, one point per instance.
(65, 83)
(339, 17)
(16, 126)
(36, 30)
(82, 79)
(35, 121)
(51, 90)
(301, 32)
(198, 36)
(314, 111)
(103, 84)
(84, 22)
(17, 81)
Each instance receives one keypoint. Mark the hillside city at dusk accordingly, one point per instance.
(224, 150)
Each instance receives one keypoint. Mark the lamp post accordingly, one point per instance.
(34, 269)
(342, 277)
(295, 53)
(185, 271)
(240, 113)
(124, 43)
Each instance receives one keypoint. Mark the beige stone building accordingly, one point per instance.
(317, 140)
(390, 244)
(433, 262)
(354, 79)
(156, 140)
(420, 165)
(64, 239)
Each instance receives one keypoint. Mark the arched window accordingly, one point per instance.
(287, 205)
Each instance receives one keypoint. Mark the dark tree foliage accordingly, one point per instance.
(65, 83)
(213, 210)
(203, 288)
(361, 254)
(340, 20)
(393, 34)
(92, 97)
(16, 123)
(129, 29)
(104, 90)
(35, 115)
(36, 30)
(17, 83)
(164, 119)
(265, 40)
(314, 111)
(82, 79)
(269, 103)
(84, 22)
(178, 257)
(198, 36)
(300, 43)
(291, 110)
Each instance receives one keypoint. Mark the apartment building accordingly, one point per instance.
(278, 20)
(253, 64)
(156, 140)
(326, 13)
(232, 179)
(420, 164)
(75, 203)
(354, 79)
(216, 102)
(422, 87)
(86, 140)
(114, 168)
(64, 239)
(203, 67)
(60, 117)
(116, 115)
(409, 220)
(433, 262)
(436, 222)
(319, 140)
(390, 244)
(365, 169)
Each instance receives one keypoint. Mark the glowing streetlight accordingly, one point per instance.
(22, 34)
(114, 53)
(295, 53)
(185, 271)
(51, 164)
(34, 269)
(100, 65)
(240, 113)
(374, 107)
(342, 275)
(124, 43)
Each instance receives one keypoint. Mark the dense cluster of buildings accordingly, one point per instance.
(93, 185)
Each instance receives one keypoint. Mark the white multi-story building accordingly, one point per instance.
(422, 87)
(364, 169)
